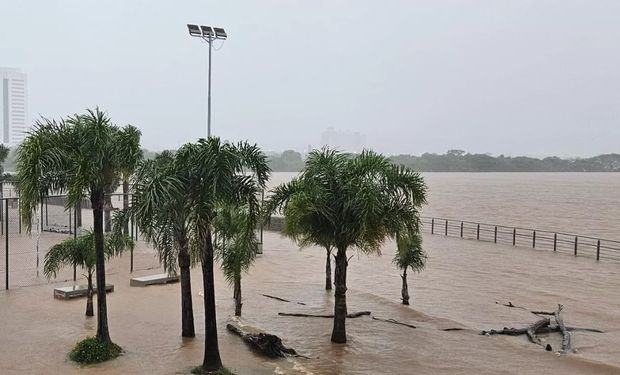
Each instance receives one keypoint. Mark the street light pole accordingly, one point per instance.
(209, 94)
(208, 34)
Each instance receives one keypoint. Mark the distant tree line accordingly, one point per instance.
(461, 161)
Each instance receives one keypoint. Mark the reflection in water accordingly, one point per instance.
(459, 288)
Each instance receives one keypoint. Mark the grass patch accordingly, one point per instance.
(223, 371)
(92, 350)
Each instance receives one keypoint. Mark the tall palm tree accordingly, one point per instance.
(80, 155)
(132, 159)
(409, 254)
(235, 245)
(161, 210)
(80, 251)
(352, 202)
(216, 175)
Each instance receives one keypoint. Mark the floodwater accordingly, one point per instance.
(459, 289)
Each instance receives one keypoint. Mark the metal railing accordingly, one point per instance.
(577, 245)
(22, 254)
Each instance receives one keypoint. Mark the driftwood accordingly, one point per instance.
(541, 327)
(282, 299)
(265, 343)
(353, 315)
(393, 321)
(566, 344)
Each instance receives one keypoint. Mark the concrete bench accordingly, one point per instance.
(162, 278)
(74, 291)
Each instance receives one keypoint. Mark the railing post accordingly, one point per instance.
(514, 236)
(433, 226)
(533, 239)
(555, 241)
(6, 243)
(598, 250)
(478, 232)
(495, 235)
(461, 229)
(576, 239)
(446, 231)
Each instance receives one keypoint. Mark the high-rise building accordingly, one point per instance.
(13, 106)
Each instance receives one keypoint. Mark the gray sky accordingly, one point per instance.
(514, 77)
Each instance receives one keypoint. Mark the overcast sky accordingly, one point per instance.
(513, 77)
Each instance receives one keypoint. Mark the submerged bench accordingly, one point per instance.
(74, 291)
(162, 278)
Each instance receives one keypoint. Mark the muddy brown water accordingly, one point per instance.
(459, 289)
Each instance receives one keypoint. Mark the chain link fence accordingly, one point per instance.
(22, 253)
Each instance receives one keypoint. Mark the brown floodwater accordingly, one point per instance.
(459, 289)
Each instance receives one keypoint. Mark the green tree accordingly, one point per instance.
(81, 156)
(129, 164)
(352, 202)
(217, 173)
(162, 212)
(80, 252)
(235, 245)
(409, 254)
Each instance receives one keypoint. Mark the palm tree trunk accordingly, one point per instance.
(103, 334)
(187, 310)
(339, 333)
(89, 294)
(238, 303)
(328, 269)
(107, 210)
(126, 206)
(405, 290)
(212, 360)
(78, 216)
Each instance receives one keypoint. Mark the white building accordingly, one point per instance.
(13, 106)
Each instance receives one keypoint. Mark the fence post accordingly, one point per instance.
(461, 229)
(575, 245)
(446, 227)
(74, 236)
(555, 241)
(19, 215)
(598, 250)
(478, 232)
(131, 250)
(6, 243)
(495, 235)
(70, 222)
(514, 236)
(533, 239)
(432, 225)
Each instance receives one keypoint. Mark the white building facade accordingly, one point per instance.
(13, 106)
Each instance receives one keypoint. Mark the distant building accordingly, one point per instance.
(343, 140)
(13, 106)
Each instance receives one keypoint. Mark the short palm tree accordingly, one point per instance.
(235, 245)
(80, 252)
(409, 254)
(81, 156)
(352, 202)
(217, 174)
(161, 210)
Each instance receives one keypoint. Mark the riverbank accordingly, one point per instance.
(462, 282)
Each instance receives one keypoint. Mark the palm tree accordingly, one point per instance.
(235, 245)
(80, 251)
(409, 254)
(162, 212)
(216, 175)
(129, 164)
(351, 202)
(82, 156)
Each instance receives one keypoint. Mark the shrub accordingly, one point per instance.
(92, 350)
(223, 371)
